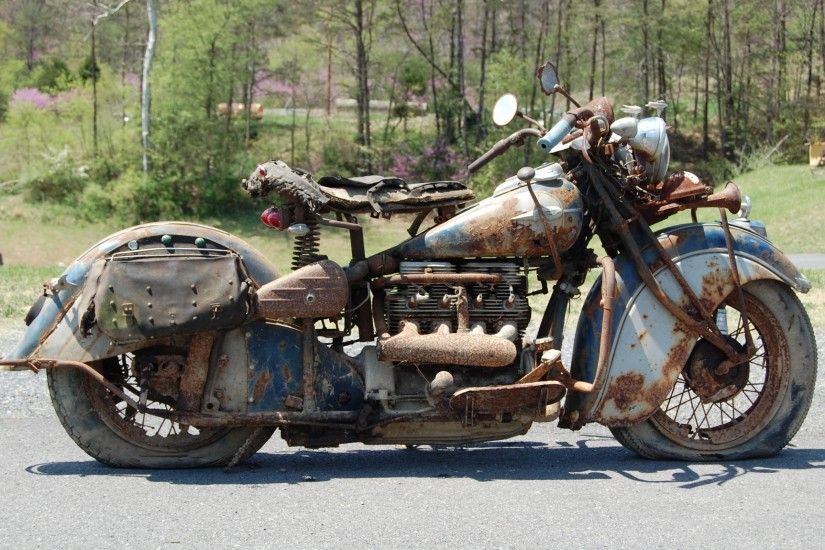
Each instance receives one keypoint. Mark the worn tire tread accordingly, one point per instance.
(637, 437)
(72, 419)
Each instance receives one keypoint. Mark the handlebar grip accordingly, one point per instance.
(557, 133)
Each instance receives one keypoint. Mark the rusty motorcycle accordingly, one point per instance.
(178, 345)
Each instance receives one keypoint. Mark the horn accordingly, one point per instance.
(729, 198)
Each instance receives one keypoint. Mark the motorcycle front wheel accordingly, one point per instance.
(116, 434)
(759, 405)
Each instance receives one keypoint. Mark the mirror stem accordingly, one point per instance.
(538, 124)
(563, 92)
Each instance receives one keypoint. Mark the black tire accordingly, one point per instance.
(772, 410)
(82, 405)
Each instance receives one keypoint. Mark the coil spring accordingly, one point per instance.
(305, 248)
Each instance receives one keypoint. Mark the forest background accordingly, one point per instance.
(112, 109)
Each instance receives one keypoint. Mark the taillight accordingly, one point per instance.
(271, 217)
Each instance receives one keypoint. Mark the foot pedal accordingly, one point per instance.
(530, 398)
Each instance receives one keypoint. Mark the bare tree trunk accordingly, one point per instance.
(809, 60)
(660, 56)
(705, 114)
(480, 129)
(145, 97)
(94, 80)
(602, 31)
(557, 58)
(459, 6)
(543, 22)
(594, 49)
(821, 43)
(727, 117)
(249, 84)
(645, 52)
(329, 74)
(494, 29)
(123, 64)
(363, 81)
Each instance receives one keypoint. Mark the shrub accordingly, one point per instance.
(57, 178)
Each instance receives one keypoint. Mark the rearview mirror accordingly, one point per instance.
(505, 110)
(548, 77)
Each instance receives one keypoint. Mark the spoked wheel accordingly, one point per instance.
(115, 433)
(750, 410)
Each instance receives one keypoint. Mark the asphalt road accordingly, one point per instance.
(549, 488)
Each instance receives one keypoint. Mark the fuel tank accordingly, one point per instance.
(508, 223)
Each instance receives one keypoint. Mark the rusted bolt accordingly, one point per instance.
(219, 394)
(310, 298)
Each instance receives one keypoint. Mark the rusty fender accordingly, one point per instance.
(650, 347)
(55, 331)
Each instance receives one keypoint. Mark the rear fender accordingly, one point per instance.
(55, 333)
(649, 347)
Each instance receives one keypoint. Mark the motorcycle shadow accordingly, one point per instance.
(588, 458)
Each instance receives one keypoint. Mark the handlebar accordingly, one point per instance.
(600, 106)
(516, 138)
(557, 132)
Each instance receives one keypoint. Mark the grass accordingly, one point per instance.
(19, 287)
(788, 199)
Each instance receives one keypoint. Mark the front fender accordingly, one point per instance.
(649, 347)
(54, 333)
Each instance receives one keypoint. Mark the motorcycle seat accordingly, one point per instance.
(387, 194)
(375, 195)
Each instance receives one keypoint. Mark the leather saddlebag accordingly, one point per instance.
(163, 291)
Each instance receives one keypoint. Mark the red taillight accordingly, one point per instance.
(271, 217)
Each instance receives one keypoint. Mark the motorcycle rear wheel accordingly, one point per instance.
(774, 391)
(117, 435)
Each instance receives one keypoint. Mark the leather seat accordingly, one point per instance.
(382, 194)
(372, 194)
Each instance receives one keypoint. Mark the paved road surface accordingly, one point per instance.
(549, 488)
(808, 261)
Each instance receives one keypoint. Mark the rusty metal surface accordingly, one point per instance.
(440, 430)
(437, 278)
(507, 224)
(649, 344)
(692, 315)
(314, 291)
(446, 348)
(195, 371)
(529, 398)
(651, 347)
(728, 198)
